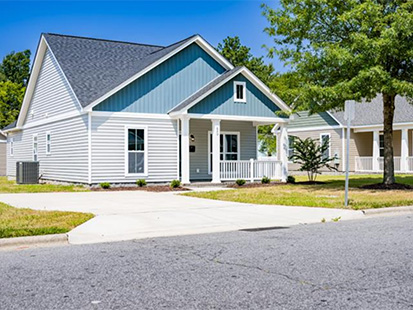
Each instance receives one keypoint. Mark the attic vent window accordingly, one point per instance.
(239, 92)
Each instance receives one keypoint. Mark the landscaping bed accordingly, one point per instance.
(16, 222)
(255, 185)
(151, 188)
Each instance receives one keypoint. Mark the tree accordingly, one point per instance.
(11, 98)
(240, 55)
(311, 156)
(268, 143)
(347, 50)
(16, 67)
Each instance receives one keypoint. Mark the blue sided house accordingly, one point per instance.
(108, 111)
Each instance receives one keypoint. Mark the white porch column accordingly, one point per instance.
(404, 150)
(283, 152)
(376, 150)
(185, 149)
(216, 132)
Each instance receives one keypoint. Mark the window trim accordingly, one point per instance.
(329, 141)
(288, 148)
(11, 150)
(48, 133)
(145, 151)
(37, 147)
(237, 133)
(244, 92)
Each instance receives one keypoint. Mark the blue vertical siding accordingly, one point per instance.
(167, 85)
(221, 101)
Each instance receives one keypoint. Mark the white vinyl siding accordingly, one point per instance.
(108, 149)
(69, 161)
(3, 157)
(35, 149)
(52, 94)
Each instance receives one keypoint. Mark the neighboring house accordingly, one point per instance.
(366, 142)
(108, 111)
(3, 157)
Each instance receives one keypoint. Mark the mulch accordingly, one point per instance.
(309, 183)
(152, 188)
(381, 186)
(252, 185)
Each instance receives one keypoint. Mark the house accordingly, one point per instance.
(108, 111)
(3, 157)
(366, 136)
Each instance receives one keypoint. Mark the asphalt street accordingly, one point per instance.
(360, 264)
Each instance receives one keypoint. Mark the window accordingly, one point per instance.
(381, 145)
(325, 139)
(11, 146)
(48, 143)
(35, 148)
(239, 92)
(290, 146)
(228, 147)
(136, 151)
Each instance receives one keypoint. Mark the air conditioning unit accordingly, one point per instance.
(27, 172)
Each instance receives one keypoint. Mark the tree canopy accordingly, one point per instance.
(347, 50)
(14, 75)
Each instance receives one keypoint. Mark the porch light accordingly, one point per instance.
(192, 138)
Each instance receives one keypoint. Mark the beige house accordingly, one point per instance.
(366, 144)
(3, 155)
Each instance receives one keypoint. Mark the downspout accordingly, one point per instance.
(89, 129)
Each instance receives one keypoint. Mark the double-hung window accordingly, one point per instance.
(35, 148)
(239, 92)
(11, 146)
(325, 139)
(48, 143)
(228, 147)
(136, 150)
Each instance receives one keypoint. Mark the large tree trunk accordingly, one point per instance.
(388, 115)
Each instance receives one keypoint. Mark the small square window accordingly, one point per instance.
(239, 92)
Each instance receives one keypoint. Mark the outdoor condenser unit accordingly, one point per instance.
(27, 172)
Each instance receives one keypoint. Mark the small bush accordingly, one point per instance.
(175, 184)
(265, 180)
(141, 182)
(105, 185)
(240, 182)
(290, 179)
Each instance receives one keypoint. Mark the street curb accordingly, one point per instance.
(34, 240)
(388, 210)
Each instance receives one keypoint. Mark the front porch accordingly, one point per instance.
(371, 153)
(225, 149)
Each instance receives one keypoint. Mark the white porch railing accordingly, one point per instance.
(410, 163)
(250, 169)
(365, 164)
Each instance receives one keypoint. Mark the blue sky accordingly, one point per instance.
(155, 22)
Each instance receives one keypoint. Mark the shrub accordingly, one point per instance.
(141, 182)
(175, 184)
(290, 179)
(240, 182)
(265, 180)
(105, 185)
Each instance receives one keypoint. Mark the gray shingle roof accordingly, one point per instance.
(205, 89)
(94, 67)
(10, 126)
(371, 113)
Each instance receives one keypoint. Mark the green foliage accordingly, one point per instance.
(175, 184)
(105, 185)
(240, 55)
(15, 67)
(268, 142)
(336, 219)
(141, 183)
(11, 98)
(240, 182)
(323, 220)
(310, 155)
(291, 179)
(265, 180)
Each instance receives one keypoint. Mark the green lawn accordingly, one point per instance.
(7, 186)
(329, 195)
(15, 222)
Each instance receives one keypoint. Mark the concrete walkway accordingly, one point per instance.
(137, 214)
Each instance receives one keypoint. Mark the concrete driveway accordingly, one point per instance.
(138, 214)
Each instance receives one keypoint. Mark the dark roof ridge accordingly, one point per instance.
(99, 39)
